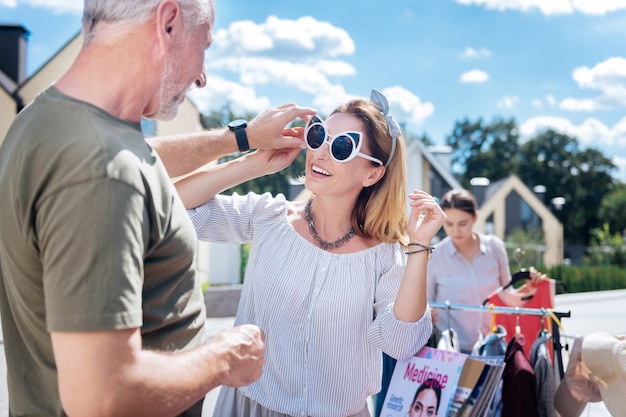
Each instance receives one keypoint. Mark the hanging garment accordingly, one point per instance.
(544, 376)
(494, 344)
(541, 296)
(449, 341)
(518, 384)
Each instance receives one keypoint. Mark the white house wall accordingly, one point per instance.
(7, 114)
(224, 262)
(414, 169)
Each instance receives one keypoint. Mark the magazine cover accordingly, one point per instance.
(424, 383)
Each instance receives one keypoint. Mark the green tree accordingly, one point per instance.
(480, 150)
(612, 209)
(606, 248)
(555, 161)
(582, 177)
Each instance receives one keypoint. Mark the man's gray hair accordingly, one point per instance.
(133, 12)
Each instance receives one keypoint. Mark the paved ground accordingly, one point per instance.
(590, 312)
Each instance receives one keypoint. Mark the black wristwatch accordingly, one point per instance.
(239, 127)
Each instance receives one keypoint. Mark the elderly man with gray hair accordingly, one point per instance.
(102, 311)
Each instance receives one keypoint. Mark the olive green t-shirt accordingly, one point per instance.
(92, 237)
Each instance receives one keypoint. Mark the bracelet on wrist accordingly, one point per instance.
(425, 248)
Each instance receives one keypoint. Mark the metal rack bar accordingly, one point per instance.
(498, 309)
(556, 339)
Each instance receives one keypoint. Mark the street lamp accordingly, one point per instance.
(540, 192)
(558, 202)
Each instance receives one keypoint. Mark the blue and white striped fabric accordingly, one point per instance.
(326, 316)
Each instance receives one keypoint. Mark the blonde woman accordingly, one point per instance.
(328, 279)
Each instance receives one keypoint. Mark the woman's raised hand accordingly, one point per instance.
(426, 217)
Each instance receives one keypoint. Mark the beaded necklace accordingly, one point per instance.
(321, 242)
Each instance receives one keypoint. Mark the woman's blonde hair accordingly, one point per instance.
(380, 210)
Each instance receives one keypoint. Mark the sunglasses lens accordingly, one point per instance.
(342, 147)
(315, 136)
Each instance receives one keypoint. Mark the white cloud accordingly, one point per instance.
(474, 76)
(252, 71)
(8, 3)
(305, 37)
(295, 54)
(470, 52)
(621, 166)
(406, 106)
(508, 102)
(552, 7)
(607, 77)
(591, 132)
(220, 93)
(573, 104)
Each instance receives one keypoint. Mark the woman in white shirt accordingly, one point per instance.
(466, 267)
(327, 279)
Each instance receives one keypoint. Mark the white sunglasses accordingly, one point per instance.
(344, 146)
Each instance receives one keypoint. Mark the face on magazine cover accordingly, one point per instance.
(426, 403)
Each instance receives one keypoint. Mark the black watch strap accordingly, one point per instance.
(242, 139)
(239, 127)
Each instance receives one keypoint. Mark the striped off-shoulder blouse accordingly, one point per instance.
(326, 316)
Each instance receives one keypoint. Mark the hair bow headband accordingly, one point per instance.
(381, 103)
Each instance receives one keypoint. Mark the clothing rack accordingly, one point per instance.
(545, 312)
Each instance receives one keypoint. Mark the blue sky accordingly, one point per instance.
(545, 63)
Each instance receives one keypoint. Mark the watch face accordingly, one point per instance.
(237, 123)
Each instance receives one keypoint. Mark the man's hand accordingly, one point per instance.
(268, 130)
(245, 349)
(149, 382)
